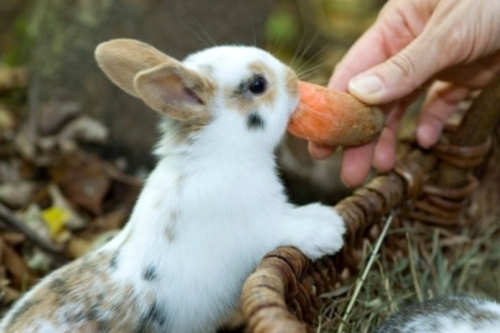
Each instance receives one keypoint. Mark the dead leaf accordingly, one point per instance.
(13, 238)
(15, 265)
(2, 254)
(9, 171)
(7, 121)
(54, 115)
(13, 78)
(85, 129)
(9, 294)
(17, 194)
(82, 181)
(40, 262)
(55, 218)
(77, 247)
(74, 221)
(33, 218)
(25, 146)
(113, 220)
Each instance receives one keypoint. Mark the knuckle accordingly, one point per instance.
(457, 46)
(404, 65)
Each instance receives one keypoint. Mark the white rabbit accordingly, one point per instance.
(446, 315)
(209, 211)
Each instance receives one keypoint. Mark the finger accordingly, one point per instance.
(400, 75)
(320, 152)
(441, 102)
(385, 151)
(395, 28)
(355, 60)
(356, 163)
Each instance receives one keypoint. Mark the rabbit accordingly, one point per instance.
(209, 211)
(445, 315)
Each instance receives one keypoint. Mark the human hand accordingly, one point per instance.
(412, 43)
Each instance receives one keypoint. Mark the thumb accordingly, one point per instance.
(399, 75)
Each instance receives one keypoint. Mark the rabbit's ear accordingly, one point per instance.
(122, 59)
(176, 91)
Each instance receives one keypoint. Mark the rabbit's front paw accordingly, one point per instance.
(317, 230)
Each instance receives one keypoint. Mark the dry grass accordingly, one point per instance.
(439, 263)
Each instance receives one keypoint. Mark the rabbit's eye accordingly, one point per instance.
(258, 85)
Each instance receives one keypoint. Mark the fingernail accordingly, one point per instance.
(366, 84)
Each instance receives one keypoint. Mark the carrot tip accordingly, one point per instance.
(334, 118)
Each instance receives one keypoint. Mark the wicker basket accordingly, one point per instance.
(431, 187)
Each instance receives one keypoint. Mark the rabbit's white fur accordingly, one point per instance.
(445, 315)
(208, 213)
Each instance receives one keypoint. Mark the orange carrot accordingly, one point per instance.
(334, 118)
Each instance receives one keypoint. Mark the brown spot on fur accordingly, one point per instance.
(169, 233)
(113, 263)
(149, 298)
(150, 273)
(174, 215)
(242, 100)
(170, 229)
(237, 99)
(202, 86)
(179, 182)
(158, 202)
(92, 301)
(58, 286)
(292, 82)
(26, 306)
(183, 131)
(153, 319)
(208, 69)
(187, 129)
(259, 68)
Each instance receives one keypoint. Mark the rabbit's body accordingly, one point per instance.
(445, 315)
(208, 213)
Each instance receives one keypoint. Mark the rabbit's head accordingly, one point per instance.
(241, 96)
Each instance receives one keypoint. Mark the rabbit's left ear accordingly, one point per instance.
(174, 90)
(161, 81)
(122, 59)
